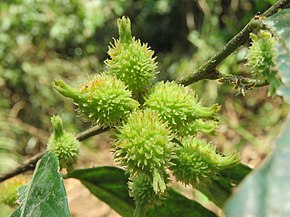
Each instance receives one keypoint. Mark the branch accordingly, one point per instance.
(30, 163)
(91, 132)
(207, 70)
(242, 83)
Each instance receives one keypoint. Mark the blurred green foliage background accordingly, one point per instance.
(41, 40)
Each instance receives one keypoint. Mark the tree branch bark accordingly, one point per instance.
(207, 70)
(31, 163)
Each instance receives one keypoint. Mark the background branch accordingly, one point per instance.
(207, 70)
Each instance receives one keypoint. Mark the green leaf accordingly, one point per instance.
(177, 205)
(236, 174)
(17, 212)
(45, 195)
(110, 185)
(266, 192)
(218, 191)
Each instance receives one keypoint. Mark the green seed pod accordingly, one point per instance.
(178, 106)
(144, 146)
(63, 144)
(198, 163)
(8, 190)
(261, 58)
(102, 99)
(144, 195)
(130, 60)
(261, 53)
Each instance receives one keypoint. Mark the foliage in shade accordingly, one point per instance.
(180, 107)
(197, 162)
(219, 190)
(45, 194)
(110, 185)
(8, 189)
(130, 60)
(144, 146)
(63, 144)
(102, 99)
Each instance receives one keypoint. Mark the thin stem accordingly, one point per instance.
(207, 70)
(242, 83)
(276, 7)
(30, 163)
(91, 132)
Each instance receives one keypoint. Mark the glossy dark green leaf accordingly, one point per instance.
(218, 191)
(236, 174)
(177, 205)
(45, 195)
(266, 192)
(110, 185)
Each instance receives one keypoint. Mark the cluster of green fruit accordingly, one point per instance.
(261, 59)
(155, 123)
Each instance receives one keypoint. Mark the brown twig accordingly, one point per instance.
(207, 70)
(30, 163)
(91, 132)
(242, 83)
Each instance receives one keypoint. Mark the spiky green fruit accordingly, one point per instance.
(63, 144)
(261, 58)
(144, 195)
(9, 188)
(144, 146)
(102, 99)
(198, 162)
(130, 60)
(200, 125)
(179, 107)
